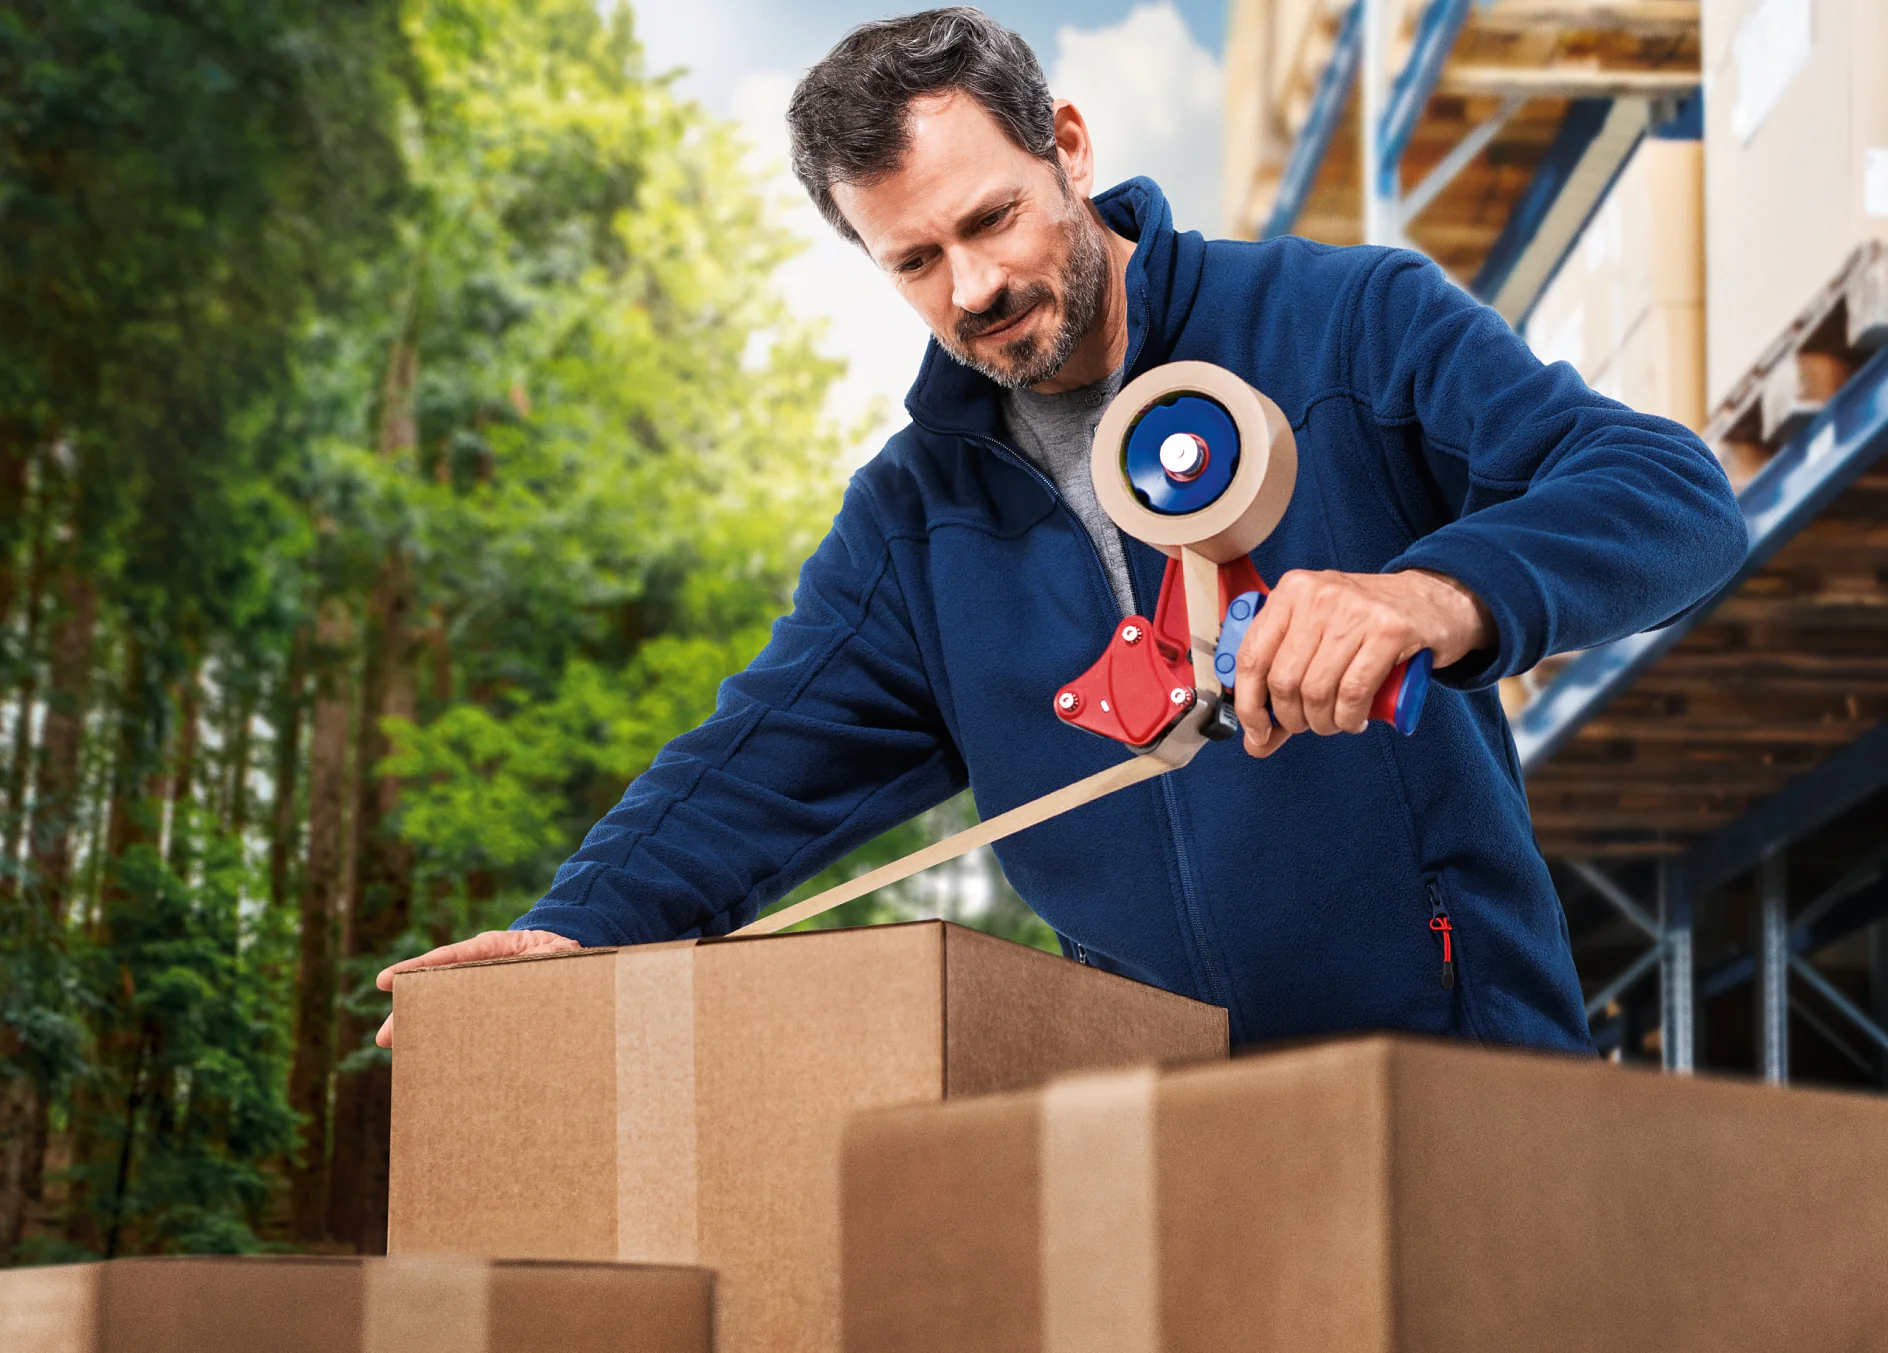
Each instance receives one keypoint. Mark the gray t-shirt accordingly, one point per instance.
(1055, 432)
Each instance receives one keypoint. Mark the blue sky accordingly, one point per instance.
(718, 38)
(1145, 73)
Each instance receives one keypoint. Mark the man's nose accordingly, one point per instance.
(975, 282)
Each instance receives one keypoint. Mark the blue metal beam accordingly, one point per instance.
(1320, 129)
(1832, 786)
(1436, 32)
(1578, 129)
(1834, 451)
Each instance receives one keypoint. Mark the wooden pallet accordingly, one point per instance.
(1798, 373)
(1789, 667)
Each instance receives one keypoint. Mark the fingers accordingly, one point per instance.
(1316, 656)
(1251, 691)
(1273, 739)
(1358, 687)
(1324, 676)
(490, 944)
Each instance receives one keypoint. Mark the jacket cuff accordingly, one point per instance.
(1506, 586)
(586, 925)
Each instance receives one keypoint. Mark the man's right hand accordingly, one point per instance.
(491, 944)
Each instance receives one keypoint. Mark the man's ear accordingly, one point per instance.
(1074, 148)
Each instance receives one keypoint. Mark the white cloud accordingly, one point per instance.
(1150, 93)
(881, 337)
(1151, 96)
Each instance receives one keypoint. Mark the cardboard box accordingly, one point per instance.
(1796, 162)
(1386, 1195)
(314, 1305)
(1660, 367)
(684, 1102)
(1643, 250)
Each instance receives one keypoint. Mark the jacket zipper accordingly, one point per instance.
(1196, 925)
(1439, 922)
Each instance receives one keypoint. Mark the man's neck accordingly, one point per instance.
(1106, 346)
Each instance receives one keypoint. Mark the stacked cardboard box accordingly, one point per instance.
(1372, 1195)
(1627, 306)
(684, 1102)
(311, 1305)
(1796, 162)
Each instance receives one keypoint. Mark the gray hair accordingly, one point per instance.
(848, 121)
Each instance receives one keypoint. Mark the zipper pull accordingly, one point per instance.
(1439, 922)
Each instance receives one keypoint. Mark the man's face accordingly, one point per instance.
(995, 249)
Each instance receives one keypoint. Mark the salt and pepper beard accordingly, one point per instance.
(1081, 286)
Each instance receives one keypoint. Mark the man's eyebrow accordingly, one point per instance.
(995, 201)
(989, 202)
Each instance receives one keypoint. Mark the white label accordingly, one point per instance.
(1875, 181)
(1771, 46)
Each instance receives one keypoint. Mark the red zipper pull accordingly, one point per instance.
(1441, 925)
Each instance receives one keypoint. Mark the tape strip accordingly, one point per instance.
(656, 1203)
(430, 1304)
(50, 1310)
(1100, 1279)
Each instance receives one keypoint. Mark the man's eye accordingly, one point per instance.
(994, 217)
(911, 265)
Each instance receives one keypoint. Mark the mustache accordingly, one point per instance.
(1007, 305)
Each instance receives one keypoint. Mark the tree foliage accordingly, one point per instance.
(400, 438)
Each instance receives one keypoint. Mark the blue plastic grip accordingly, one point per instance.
(1232, 633)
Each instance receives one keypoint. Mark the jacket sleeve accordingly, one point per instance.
(1583, 520)
(828, 738)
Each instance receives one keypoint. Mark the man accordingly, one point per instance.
(1452, 494)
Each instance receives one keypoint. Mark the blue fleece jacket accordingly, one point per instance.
(956, 592)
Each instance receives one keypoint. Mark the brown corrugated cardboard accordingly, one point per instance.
(422, 1304)
(1660, 367)
(684, 1102)
(1643, 250)
(1796, 162)
(1385, 1195)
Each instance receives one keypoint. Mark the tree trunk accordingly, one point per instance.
(21, 765)
(100, 1149)
(234, 798)
(379, 909)
(180, 853)
(380, 903)
(129, 821)
(17, 440)
(321, 892)
(56, 783)
(20, 1116)
(288, 737)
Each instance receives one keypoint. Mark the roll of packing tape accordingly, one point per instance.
(1189, 454)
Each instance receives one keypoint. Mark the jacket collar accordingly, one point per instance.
(1163, 277)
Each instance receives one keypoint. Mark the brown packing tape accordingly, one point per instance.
(656, 1203)
(1261, 488)
(426, 1304)
(49, 1310)
(1099, 1236)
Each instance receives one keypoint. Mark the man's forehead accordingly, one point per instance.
(958, 163)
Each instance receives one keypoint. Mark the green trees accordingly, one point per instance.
(398, 440)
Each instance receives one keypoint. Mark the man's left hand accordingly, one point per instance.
(1324, 642)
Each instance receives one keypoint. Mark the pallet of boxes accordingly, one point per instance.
(917, 1137)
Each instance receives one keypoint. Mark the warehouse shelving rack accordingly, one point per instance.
(1712, 796)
